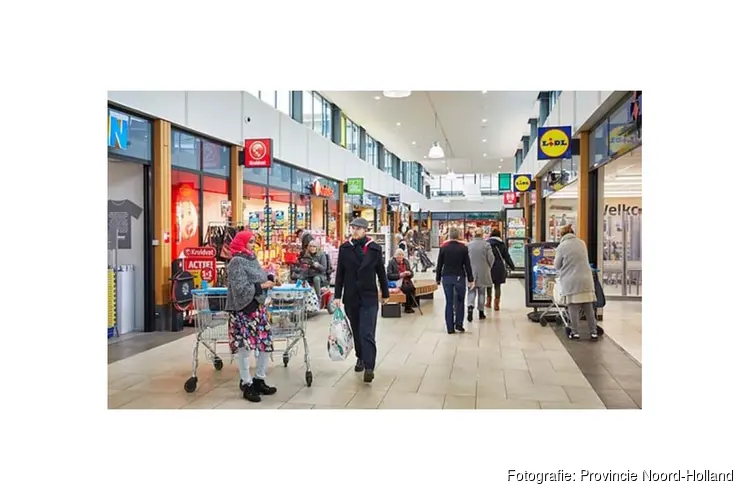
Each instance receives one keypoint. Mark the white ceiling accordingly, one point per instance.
(460, 115)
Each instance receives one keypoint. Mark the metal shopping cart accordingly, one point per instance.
(557, 310)
(558, 313)
(288, 321)
(211, 328)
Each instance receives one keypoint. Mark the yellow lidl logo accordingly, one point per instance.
(521, 183)
(537, 252)
(554, 142)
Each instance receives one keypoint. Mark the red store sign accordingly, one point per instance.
(201, 260)
(319, 189)
(258, 153)
(510, 198)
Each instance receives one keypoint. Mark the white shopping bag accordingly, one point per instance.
(340, 337)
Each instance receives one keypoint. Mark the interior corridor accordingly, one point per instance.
(504, 362)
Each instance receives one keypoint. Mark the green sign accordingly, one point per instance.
(504, 182)
(355, 186)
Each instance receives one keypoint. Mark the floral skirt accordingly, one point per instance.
(251, 331)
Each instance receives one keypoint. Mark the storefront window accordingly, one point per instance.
(327, 129)
(280, 176)
(372, 150)
(215, 158)
(185, 150)
(254, 204)
(185, 211)
(561, 209)
(255, 175)
(129, 135)
(216, 208)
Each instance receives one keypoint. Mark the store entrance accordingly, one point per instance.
(129, 220)
(620, 213)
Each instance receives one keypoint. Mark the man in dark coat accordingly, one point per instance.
(360, 268)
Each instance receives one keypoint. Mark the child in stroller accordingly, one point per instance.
(420, 257)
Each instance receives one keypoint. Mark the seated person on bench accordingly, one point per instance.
(400, 269)
(316, 267)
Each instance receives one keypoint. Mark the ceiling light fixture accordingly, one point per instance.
(484, 140)
(377, 97)
(484, 92)
(501, 160)
(484, 120)
(436, 151)
(398, 124)
(397, 94)
(413, 143)
(485, 155)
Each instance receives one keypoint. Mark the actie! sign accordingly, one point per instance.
(201, 262)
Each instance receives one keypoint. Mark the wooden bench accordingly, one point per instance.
(425, 289)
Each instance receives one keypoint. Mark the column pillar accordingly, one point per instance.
(526, 204)
(235, 184)
(340, 223)
(162, 213)
(583, 216)
(538, 222)
(383, 212)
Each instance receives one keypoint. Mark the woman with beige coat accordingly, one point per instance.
(482, 259)
(575, 281)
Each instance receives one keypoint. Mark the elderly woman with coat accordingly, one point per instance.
(499, 271)
(482, 260)
(575, 281)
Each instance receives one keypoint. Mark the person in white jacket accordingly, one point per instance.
(576, 281)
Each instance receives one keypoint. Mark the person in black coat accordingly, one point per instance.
(360, 268)
(499, 273)
(454, 270)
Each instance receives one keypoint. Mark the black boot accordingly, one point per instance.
(481, 315)
(369, 375)
(470, 315)
(250, 392)
(360, 366)
(263, 388)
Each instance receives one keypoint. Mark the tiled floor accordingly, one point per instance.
(622, 321)
(503, 362)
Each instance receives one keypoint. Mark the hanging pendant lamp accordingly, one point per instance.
(436, 151)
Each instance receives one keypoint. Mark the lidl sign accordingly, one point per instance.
(521, 183)
(554, 143)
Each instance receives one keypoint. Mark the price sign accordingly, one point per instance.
(201, 262)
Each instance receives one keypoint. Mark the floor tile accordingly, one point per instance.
(459, 402)
(295, 406)
(506, 404)
(404, 400)
(366, 399)
(536, 392)
(324, 396)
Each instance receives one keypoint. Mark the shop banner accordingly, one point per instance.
(253, 221)
(201, 263)
(355, 186)
(510, 198)
(522, 183)
(554, 143)
(279, 217)
(320, 190)
(258, 153)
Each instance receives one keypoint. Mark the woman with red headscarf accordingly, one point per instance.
(249, 330)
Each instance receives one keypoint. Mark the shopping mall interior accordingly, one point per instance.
(415, 165)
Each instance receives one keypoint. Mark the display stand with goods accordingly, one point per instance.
(516, 240)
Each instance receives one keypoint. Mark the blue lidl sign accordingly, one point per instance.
(118, 130)
(554, 143)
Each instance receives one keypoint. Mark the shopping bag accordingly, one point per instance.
(312, 303)
(340, 337)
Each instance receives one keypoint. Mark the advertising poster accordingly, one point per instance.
(542, 255)
(517, 251)
(279, 217)
(184, 218)
(253, 221)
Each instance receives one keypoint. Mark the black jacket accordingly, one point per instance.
(453, 260)
(392, 272)
(357, 276)
(502, 257)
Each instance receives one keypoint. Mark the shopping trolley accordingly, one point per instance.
(288, 321)
(555, 309)
(558, 311)
(211, 328)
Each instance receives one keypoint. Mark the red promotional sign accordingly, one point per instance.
(319, 189)
(510, 198)
(258, 153)
(201, 260)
